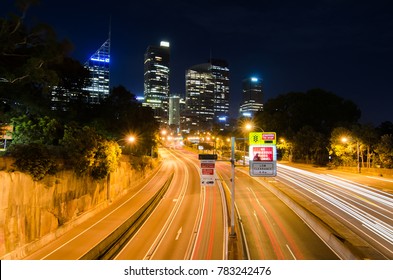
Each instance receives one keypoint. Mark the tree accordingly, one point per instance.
(306, 120)
(316, 108)
(69, 88)
(41, 130)
(25, 55)
(385, 128)
(384, 150)
(88, 152)
(341, 147)
(366, 137)
(310, 146)
(120, 115)
(34, 159)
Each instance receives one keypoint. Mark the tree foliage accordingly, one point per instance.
(26, 55)
(89, 153)
(120, 115)
(385, 151)
(35, 159)
(306, 119)
(25, 51)
(342, 147)
(309, 145)
(318, 109)
(35, 68)
(41, 130)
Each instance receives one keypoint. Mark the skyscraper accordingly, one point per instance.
(252, 97)
(220, 71)
(207, 95)
(174, 113)
(200, 97)
(98, 65)
(156, 80)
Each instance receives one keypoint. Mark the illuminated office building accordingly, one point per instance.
(207, 95)
(156, 80)
(220, 71)
(200, 98)
(176, 106)
(98, 65)
(252, 97)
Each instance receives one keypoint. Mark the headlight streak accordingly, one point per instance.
(157, 242)
(346, 193)
(372, 193)
(350, 198)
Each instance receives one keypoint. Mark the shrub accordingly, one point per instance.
(34, 159)
(89, 153)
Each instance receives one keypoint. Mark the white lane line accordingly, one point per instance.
(178, 233)
(290, 251)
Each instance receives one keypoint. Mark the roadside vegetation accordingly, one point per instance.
(47, 135)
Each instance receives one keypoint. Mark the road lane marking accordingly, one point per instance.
(290, 251)
(178, 233)
(381, 179)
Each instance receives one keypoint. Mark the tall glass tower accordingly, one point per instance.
(200, 97)
(252, 97)
(220, 71)
(174, 112)
(98, 65)
(156, 80)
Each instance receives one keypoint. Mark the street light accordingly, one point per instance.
(286, 146)
(247, 127)
(345, 140)
(127, 139)
(131, 139)
(252, 126)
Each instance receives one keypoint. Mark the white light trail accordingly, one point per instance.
(370, 207)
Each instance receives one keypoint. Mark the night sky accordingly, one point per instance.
(341, 46)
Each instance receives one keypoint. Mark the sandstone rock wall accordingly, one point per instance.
(31, 210)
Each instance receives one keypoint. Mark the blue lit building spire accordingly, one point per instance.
(98, 65)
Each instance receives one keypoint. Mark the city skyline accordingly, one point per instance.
(339, 47)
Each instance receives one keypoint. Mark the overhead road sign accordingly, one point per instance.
(208, 169)
(263, 152)
(207, 156)
(264, 160)
(263, 169)
(260, 138)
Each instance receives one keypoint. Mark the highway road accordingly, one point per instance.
(272, 230)
(191, 221)
(78, 242)
(188, 222)
(362, 214)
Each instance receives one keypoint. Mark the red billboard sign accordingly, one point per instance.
(207, 165)
(268, 136)
(262, 153)
(207, 171)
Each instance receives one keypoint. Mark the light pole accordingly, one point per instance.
(358, 154)
(247, 128)
(233, 233)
